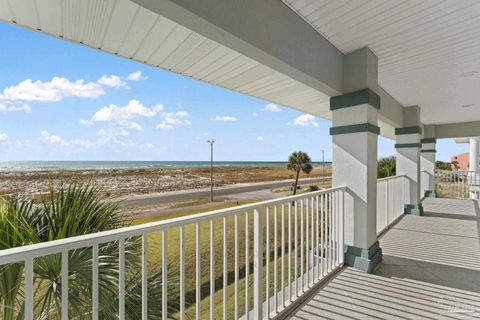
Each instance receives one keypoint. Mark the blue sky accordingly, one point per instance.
(62, 101)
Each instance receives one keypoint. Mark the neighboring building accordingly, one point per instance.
(463, 160)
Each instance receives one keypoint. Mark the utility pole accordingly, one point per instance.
(211, 168)
(323, 167)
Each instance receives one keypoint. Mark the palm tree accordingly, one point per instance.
(386, 167)
(72, 211)
(299, 162)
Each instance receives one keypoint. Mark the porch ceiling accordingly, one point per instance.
(428, 50)
(124, 28)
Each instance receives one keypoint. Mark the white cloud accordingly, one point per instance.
(53, 90)
(133, 109)
(59, 87)
(305, 120)
(172, 120)
(272, 108)
(254, 114)
(136, 76)
(224, 118)
(111, 81)
(259, 138)
(4, 137)
(10, 107)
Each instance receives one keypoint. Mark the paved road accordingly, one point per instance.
(161, 198)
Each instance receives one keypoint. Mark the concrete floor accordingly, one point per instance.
(430, 270)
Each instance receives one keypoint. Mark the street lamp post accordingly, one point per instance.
(211, 168)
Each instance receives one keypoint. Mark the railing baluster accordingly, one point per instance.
(144, 277)
(289, 252)
(95, 282)
(225, 270)
(301, 247)
(275, 258)
(212, 269)
(267, 258)
(247, 268)
(334, 229)
(258, 265)
(322, 235)
(64, 285)
(236, 268)
(282, 283)
(330, 224)
(295, 274)
(341, 226)
(198, 274)
(182, 272)
(310, 254)
(307, 260)
(29, 289)
(164, 274)
(121, 279)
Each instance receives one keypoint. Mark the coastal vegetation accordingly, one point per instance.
(72, 210)
(386, 167)
(442, 165)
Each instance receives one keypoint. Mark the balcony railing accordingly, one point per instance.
(391, 197)
(297, 242)
(457, 184)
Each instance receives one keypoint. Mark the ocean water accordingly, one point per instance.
(9, 166)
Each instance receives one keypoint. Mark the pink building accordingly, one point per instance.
(463, 160)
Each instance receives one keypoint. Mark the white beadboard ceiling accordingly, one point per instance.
(428, 50)
(124, 28)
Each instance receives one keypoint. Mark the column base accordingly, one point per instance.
(364, 259)
(414, 209)
(430, 194)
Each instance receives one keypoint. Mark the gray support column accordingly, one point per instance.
(408, 163)
(354, 134)
(427, 167)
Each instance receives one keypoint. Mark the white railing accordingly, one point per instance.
(297, 241)
(457, 184)
(391, 197)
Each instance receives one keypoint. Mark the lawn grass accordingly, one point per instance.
(196, 202)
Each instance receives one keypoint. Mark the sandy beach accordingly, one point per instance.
(121, 182)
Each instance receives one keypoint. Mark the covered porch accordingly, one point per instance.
(390, 77)
(430, 270)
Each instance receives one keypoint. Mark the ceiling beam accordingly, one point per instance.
(457, 130)
(267, 31)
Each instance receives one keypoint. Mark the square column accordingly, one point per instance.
(408, 163)
(472, 176)
(473, 155)
(354, 134)
(427, 167)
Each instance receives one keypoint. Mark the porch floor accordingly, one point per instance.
(430, 270)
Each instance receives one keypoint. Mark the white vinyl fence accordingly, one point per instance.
(391, 196)
(271, 251)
